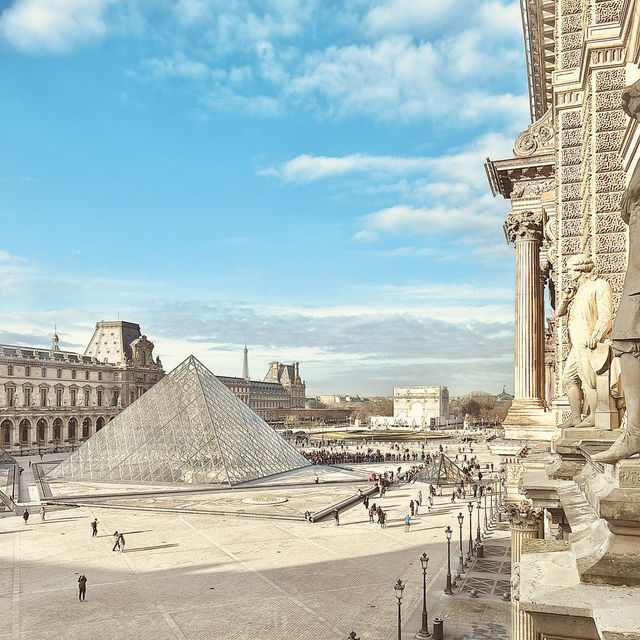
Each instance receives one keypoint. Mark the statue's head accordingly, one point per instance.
(631, 100)
(579, 264)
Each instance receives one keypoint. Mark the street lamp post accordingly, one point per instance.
(470, 506)
(479, 506)
(496, 484)
(460, 555)
(486, 526)
(399, 588)
(448, 532)
(424, 632)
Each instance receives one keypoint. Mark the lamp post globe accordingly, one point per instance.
(424, 631)
(448, 532)
(399, 588)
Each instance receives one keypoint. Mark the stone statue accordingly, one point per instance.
(588, 303)
(626, 330)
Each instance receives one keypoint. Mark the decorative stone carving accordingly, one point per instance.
(538, 138)
(524, 515)
(523, 226)
(515, 581)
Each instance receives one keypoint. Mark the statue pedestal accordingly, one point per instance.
(571, 460)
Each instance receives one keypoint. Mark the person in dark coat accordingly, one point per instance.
(82, 587)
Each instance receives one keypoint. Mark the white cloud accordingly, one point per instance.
(53, 25)
(424, 221)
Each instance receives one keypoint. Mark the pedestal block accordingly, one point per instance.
(571, 459)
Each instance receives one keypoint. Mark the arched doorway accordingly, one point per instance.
(73, 427)
(86, 427)
(41, 428)
(99, 424)
(5, 432)
(24, 431)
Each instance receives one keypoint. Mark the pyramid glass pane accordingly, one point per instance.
(188, 428)
(5, 458)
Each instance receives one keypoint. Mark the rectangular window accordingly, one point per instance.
(86, 398)
(43, 397)
(11, 396)
(10, 370)
(116, 375)
(74, 395)
(58, 397)
(99, 375)
(59, 373)
(27, 397)
(44, 372)
(27, 370)
(116, 396)
(73, 374)
(99, 398)
(86, 375)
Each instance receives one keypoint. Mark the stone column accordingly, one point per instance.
(525, 231)
(526, 522)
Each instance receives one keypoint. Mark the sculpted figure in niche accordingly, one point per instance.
(588, 303)
(626, 330)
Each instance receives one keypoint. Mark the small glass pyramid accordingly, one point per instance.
(188, 428)
(442, 471)
(5, 458)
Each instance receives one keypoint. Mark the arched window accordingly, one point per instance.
(73, 425)
(41, 428)
(5, 432)
(57, 430)
(86, 427)
(99, 424)
(24, 431)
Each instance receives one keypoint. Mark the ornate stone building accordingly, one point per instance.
(51, 397)
(281, 388)
(565, 182)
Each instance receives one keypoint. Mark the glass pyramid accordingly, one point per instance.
(5, 458)
(442, 471)
(188, 428)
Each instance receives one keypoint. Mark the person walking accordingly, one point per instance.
(420, 497)
(82, 587)
(407, 523)
(411, 507)
(25, 515)
(121, 540)
(371, 512)
(336, 517)
(43, 513)
(94, 528)
(116, 535)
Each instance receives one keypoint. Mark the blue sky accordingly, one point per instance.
(305, 176)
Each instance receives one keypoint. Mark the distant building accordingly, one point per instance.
(421, 406)
(52, 397)
(417, 406)
(281, 388)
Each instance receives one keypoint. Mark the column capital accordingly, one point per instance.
(523, 226)
(524, 515)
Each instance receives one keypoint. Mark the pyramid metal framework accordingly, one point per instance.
(6, 458)
(188, 428)
(442, 471)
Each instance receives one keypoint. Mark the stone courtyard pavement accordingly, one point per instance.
(191, 576)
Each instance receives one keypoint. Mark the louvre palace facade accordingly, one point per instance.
(52, 397)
